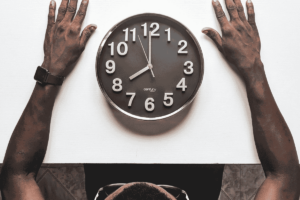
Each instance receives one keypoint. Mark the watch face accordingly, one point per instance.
(149, 66)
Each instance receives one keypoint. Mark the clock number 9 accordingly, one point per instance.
(166, 98)
(181, 50)
(117, 85)
(110, 66)
(189, 65)
(149, 104)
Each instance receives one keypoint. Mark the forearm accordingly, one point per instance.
(273, 139)
(28, 143)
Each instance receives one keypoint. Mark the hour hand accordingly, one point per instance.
(139, 72)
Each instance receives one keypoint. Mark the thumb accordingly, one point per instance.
(215, 36)
(86, 34)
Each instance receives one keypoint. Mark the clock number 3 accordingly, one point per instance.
(117, 85)
(149, 104)
(189, 65)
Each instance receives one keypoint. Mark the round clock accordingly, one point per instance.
(149, 66)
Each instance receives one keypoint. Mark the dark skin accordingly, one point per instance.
(240, 46)
(63, 45)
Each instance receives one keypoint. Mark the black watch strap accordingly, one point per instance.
(44, 77)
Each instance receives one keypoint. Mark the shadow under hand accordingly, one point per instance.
(149, 128)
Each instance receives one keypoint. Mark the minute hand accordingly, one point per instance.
(139, 72)
(150, 48)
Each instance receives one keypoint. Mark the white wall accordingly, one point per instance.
(215, 129)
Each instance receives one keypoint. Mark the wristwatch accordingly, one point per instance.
(44, 77)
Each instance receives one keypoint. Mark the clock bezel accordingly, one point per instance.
(189, 101)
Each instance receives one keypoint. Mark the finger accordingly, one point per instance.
(86, 34)
(81, 12)
(51, 22)
(251, 15)
(220, 13)
(215, 36)
(71, 10)
(62, 11)
(232, 10)
(240, 10)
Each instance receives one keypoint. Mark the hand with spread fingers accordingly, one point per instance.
(240, 45)
(240, 42)
(64, 41)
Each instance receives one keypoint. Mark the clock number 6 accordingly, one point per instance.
(131, 98)
(149, 104)
(168, 97)
(117, 85)
(189, 65)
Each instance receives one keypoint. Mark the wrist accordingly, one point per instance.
(255, 74)
(256, 83)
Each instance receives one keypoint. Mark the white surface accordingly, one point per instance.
(217, 128)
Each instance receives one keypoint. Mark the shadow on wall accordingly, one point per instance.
(150, 127)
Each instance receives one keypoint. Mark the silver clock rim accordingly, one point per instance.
(189, 101)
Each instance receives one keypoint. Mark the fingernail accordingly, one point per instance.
(52, 3)
(93, 27)
(205, 30)
(216, 1)
(249, 1)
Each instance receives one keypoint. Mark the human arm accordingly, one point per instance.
(28, 144)
(240, 45)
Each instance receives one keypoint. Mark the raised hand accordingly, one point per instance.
(64, 41)
(240, 42)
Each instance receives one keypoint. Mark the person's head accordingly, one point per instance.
(139, 191)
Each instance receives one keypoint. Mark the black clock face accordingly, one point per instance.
(149, 66)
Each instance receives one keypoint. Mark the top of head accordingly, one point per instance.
(140, 191)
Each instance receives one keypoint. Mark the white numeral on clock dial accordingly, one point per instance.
(181, 85)
(145, 29)
(153, 33)
(181, 50)
(117, 85)
(168, 97)
(189, 65)
(169, 34)
(131, 98)
(149, 104)
(111, 45)
(125, 49)
(133, 34)
(110, 66)
(126, 34)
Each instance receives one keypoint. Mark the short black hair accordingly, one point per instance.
(141, 191)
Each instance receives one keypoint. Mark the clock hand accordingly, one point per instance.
(146, 57)
(150, 46)
(143, 49)
(140, 72)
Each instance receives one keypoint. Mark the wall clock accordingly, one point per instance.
(149, 66)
